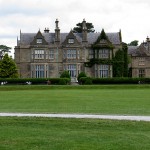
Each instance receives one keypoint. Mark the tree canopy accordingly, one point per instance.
(133, 43)
(78, 29)
(3, 50)
(8, 68)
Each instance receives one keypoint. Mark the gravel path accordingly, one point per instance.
(114, 117)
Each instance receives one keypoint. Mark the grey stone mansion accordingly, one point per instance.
(47, 54)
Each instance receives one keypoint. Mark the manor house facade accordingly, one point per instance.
(140, 59)
(48, 54)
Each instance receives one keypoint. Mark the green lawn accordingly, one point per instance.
(111, 99)
(72, 134)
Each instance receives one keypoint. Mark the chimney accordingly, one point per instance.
(57, 32)
(148, 43)
(46, 30)
(84, 31)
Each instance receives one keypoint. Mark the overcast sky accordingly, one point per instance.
(131, 16)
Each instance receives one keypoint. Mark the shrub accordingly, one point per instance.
(62, 82)
(81, 74)
(35, 81)
(88, 81)
(116, 80)
(65, 74)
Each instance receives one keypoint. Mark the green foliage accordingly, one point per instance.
(62, 82)
(8, 68)
(126, 59)
(4, 49)
(65, 74)
(133, 43)
(118, 64)
(103, 35)
(98, 61)
(35, 81)
(116, 80)
(105, 42)
(78, 29)
(81, 74)
(88, 81)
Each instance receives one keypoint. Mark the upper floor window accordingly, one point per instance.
(91, 53)
(141, 61)
(71, 40)
(39, 41)
(39, 54)
(71, 54)
(51, 54)
(104, 53)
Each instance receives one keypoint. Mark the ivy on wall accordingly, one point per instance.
(126, 59)
(119, 61)
(118, 64)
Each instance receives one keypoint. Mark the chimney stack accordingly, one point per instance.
(57, 31)
(84, 31)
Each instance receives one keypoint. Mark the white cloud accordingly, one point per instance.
(131, 16)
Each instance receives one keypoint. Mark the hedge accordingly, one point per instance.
(35, 81)
(118, 80)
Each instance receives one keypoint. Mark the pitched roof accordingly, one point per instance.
(138, 51)
(26, 38)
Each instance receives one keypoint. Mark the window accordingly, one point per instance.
(141, 61)
(38, 41)
(39, 71)
(51, 54)
(71, 54)
(141, 73)
(91, 53)
(72, 69)
(39, 54)
(104, 53)
(104, 71)
(71, 40)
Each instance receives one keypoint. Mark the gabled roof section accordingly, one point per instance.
(102, 41)
(138, 51)
(39, 36)
(74, 37)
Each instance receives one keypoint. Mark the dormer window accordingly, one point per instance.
(71, 40)
(38, 41)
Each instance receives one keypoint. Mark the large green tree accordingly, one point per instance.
(8, 67)
(3, 50)
(118, 66)
(79, 26)
(133, 43)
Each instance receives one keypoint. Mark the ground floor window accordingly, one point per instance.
(103, 71)
(39, 70)
(72, 68)
(141, 73)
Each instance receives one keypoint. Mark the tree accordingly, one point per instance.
(3, 50)
(8, 68)
(133, 43)
(78, 29)
(125, 51)
(118, 66)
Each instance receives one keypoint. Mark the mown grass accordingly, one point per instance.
(72, 134)
(106, 99)
(50, 87)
